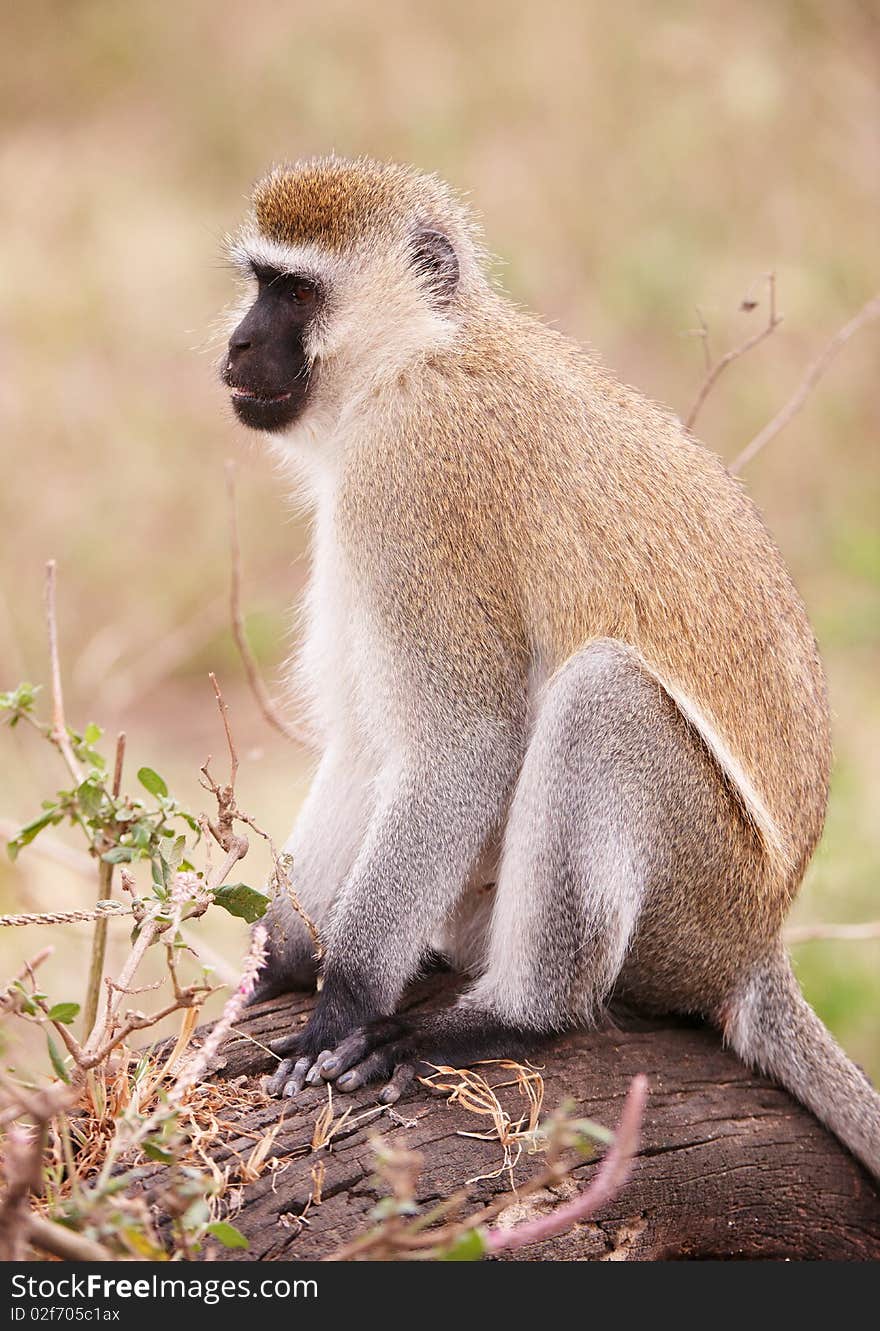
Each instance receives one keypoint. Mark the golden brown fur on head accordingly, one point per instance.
(338, 204)
(355, 227)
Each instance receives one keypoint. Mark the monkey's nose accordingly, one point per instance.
(238, 343)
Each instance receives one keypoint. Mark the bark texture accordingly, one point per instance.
(730, 1166)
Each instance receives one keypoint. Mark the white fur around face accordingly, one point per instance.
(374, 321)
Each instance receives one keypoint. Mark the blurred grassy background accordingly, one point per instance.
(631, 162)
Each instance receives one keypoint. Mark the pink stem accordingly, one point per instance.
(611, 1177)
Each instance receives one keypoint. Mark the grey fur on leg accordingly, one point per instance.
(322, 847)
(433, 817)
(427, 832)
(597, 877)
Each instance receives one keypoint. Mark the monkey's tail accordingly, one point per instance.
(772, 1026)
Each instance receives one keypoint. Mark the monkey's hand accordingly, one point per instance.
(398, 1049)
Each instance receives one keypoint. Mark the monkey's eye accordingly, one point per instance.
(303, 291)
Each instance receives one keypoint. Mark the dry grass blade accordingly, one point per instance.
(473, 1092)
(256, 1161)
(187, 1026)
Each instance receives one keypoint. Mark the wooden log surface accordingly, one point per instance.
(730, 1165)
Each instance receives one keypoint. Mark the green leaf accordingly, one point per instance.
(91, 797)
(92, 733)
(26, 1000)
(153, 782)
(158, 1153)
(119, 855)
(19, 701)
(245, 902)
(64, 1012)
(33, 829)
(56, 1059)
(173, 856)
(468, 1247)
(141, 834)
(227, 1234)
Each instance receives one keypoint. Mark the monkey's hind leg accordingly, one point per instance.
(599, 786)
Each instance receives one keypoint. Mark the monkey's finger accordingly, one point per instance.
(403, 1075)
(373, 1067)
(295, 1082)
(345, 1055)
(314, 1073)
(275, 1084)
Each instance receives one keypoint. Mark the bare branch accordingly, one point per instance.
(22, 1165)
(58, 732)
(105, 891)
(230, 742)
(282, 881)
(23, 1160)
(63, 1242)
(26, 969)
(715, 369)
(228, 813)
(148, 930)
(267, 707)
(868, 312)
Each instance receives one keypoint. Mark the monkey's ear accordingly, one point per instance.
(435, 259)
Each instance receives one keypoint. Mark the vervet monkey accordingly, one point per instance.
(573, 727)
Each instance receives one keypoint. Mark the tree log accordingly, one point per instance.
(730, 1165)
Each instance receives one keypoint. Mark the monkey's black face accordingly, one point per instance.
(267, 370)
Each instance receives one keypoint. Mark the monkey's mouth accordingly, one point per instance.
(261, 410)
(256, 395)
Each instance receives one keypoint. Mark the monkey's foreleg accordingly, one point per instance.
(431, 822)
(322, 846)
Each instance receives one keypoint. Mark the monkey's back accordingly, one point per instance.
(615, 524)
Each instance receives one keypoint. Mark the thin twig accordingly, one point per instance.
(282, 881)
(230, 743)
(716, 369)
(868, 312)
(63, 1242)
(148, 930)
(105, 892)
(228, 813)
(267, 707)
(58, 733)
